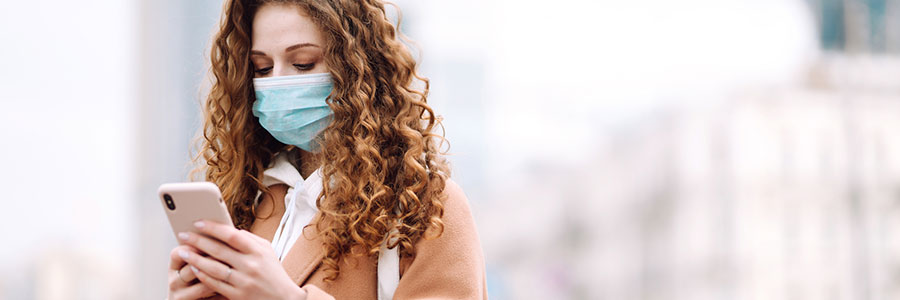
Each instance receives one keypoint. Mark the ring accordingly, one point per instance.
(228, 276)
(178, 272)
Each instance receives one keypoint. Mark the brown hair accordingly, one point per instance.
(379, 156)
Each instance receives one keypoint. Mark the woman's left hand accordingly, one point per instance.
(240, 265)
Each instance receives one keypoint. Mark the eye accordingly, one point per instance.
(304, 67)
(263, 71)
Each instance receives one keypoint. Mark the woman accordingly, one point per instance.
(323, 148)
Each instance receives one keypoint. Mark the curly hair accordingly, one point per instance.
(379, 156)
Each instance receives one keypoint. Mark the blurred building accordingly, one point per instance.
(766, 189)
(858, 26)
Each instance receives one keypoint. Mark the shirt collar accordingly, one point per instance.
(281, 171)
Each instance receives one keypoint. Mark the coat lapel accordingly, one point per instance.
(303, 257)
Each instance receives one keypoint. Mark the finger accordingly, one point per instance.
(186, 274)
(175, 284)
(175, 260)
(216, 285)
(180, 278)
(212, 268)
(259, 240)
(211, 247)
(227, 234)
(196, 291)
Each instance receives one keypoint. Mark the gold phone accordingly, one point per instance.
(188, 202)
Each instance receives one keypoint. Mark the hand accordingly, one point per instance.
(182, 281)
(240, 265)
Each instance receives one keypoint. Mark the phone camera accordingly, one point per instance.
(169, 203)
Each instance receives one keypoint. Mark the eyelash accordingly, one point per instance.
(304, 67)
(301, 67)
(263, 71)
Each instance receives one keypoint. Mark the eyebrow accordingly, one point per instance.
(288, 49)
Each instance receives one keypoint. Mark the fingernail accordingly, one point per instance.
(194, 269)
(198, 224)
(183, 236)
(183, 254)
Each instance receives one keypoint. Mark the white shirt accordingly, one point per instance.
(299, 201)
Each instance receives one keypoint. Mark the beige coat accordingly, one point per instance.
(449, 267)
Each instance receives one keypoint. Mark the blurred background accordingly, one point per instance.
(659, 149)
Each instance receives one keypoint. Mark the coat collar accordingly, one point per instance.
(303, 257)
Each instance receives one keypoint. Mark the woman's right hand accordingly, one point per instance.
(182, 281)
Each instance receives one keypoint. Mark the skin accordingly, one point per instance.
(285, 42)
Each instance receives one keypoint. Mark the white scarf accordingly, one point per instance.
(299, 201)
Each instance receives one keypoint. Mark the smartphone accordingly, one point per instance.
(188, 202)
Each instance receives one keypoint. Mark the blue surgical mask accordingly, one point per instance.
(293, 108)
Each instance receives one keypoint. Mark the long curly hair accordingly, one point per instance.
(380, 156)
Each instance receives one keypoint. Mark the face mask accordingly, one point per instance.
(293, 108)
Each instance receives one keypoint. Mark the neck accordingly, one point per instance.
(305, 162)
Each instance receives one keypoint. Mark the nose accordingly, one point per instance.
(284, 68)
(278, 70)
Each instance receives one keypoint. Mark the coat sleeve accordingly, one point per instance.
(450, 266)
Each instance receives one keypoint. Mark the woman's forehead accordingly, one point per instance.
(279, 26)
